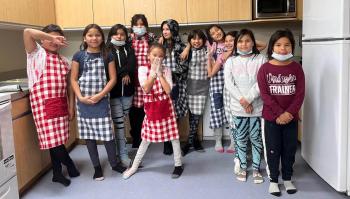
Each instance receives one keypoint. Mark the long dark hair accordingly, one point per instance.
(242, 33)
(210, 39)
(84, 46)
(278, 35)
(113, 31)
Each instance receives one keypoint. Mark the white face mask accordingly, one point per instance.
(139, 31)
(117, 43)
(244, 53)
(280, 57)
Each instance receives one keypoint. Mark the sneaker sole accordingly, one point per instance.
(99, 179)
(258, 181)
(241, 179)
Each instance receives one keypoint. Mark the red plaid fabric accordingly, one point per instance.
(159, 130)
(53, 130)
(140, 46)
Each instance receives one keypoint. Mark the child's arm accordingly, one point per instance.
(229, 81)
(71, 97)
(300, 93)
(75, 86)
(185, 52)
(260, 45)
(110, 84)
(265, 94)
(131, 66)
(254, 91)
(30, 36)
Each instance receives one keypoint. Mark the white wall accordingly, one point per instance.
(12, 54)
(262, 31)
(13, 58)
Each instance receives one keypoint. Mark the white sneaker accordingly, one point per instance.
(237, 165)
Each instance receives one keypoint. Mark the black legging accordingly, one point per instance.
(136, 116)
(59, 155)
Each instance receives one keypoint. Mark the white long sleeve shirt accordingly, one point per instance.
(240, 75)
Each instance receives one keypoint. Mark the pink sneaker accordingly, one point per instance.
(220, 150)
(230, 150)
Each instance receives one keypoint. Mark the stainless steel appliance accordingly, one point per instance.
(274, 9)
(8, 177)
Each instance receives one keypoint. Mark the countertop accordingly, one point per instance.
(14, 95)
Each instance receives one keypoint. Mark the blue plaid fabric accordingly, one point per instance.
(94, 121)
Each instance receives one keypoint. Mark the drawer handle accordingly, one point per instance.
(5, 192)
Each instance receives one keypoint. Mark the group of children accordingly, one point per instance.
(157, 81)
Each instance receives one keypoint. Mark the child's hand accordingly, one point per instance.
(126, 80)
(184, 54)
(60, 41)
(284, 118)
(161, 40)
(159, 71)
(86, 100)
(249, 109)
(96, 98)
(244, 103)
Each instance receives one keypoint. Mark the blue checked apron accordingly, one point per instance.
(94, 121)
(216, 91)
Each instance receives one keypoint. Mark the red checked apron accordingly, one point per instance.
(141, 49)
(48, 100)
(159, 124)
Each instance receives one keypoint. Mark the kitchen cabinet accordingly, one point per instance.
(170, 9)
(202, 11)
(232, 10)
(300, 9)
(73, 14)
(108, 12)
(31, 162)
(37, 13)
(146, 7)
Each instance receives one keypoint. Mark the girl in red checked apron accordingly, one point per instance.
(159, 124)
(51, 100)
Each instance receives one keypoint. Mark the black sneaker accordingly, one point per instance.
(168, 148)
(185, 149)
(198, 146)
(119, 168)
(98, 175)
(61, 179)
(177, 172)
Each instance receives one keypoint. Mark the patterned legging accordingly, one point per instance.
(194, 121)
(247, 128)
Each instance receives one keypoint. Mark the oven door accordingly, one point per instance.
(7, 151)
(274, 8)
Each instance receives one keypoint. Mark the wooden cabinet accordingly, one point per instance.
(170, 9)
(202, 11)
(73, 14)
(28, 12)
(31, 162)
(108, 12)
(146, 7)
(300, 9)
(232, 10)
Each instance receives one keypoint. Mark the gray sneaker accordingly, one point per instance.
(241, 175)
(257, 177)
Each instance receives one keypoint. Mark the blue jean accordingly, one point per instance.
(120, 108)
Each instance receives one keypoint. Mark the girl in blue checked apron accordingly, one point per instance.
(93, 76)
